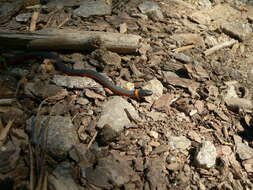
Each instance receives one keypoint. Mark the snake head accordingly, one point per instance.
(142, 93)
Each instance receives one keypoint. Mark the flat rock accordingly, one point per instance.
(75, 82)
(183, 57)
(59, 131)
(93, 7)
(114, 115)
(244, 151)
(206, 156)
(179, 143)
(237, 30)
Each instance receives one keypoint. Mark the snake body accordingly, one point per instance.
(137, 93)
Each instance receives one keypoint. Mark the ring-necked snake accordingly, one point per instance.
(137, 93)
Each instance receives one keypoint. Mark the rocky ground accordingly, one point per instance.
(195, 131)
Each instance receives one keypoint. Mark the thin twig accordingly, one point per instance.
(31, 167)
(92, 140)
(184, 48)
(64, 22)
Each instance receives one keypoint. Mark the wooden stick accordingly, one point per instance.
(59, 39)
(219, 46)
(184, 48)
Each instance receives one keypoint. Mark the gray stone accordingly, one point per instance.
(244, 151)
(182, 57)
(152, 9)
(114, 115)
(148, 6)
(206, 156)
(237, 30)
(24, 17)
(75, 82)
(205, 4)
(58, 132)
(156, 87)
(62, 178)
(93, 7)
(178, 143)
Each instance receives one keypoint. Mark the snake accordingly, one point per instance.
(59, 64)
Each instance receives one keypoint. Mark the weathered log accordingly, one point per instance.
(71, 40)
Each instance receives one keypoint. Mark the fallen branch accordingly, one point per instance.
(57, 39)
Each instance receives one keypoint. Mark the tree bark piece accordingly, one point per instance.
(55, 39)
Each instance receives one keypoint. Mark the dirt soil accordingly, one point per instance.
(68, 132)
